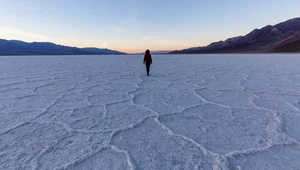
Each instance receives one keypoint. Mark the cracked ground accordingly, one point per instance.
(221, 112)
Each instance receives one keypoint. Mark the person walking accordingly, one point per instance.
(147, 61)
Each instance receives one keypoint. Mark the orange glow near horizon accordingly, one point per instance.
(137, 46)
(151, 43)
(143, 48)
(132, 50)
(155, 48)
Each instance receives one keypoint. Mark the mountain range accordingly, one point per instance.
(154, 52)
(282, 37)
(16, 47)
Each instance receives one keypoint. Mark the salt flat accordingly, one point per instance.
(229, 112)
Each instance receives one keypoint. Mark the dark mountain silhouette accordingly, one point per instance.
(16, 47)
(101, 51)
(290, 47)
(283, 37)
(154, 52)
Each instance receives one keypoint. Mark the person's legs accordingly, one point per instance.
(148, 68)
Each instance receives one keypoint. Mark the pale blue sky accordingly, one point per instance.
(135, 25)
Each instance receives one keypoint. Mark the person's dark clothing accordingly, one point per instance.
(148, 62)
(147, 58)
(148, 68)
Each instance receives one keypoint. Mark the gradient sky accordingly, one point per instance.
(135, 25)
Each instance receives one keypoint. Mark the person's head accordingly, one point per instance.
(147, 51)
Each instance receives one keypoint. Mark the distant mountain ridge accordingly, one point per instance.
(282, 37)
(154, 52)
(16, 47)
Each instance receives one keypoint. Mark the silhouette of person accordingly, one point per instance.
(147, 61)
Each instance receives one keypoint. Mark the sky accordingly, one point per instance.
(136, 25)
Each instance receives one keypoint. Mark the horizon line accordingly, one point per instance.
(141, 51)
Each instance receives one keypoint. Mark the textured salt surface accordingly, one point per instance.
(193, 112)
